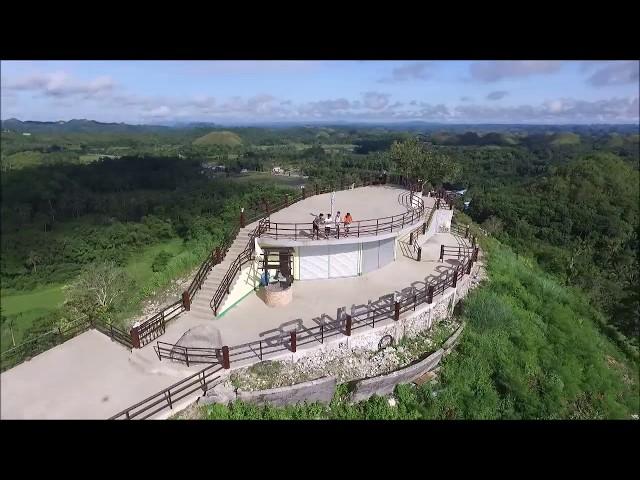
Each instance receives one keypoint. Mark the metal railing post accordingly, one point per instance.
(396, 311)
(135, 337)
(441, 253)
(455, 277)
(186, 301)
(226, 364)
(348, 323)
(419, 253)
(293, 341)
(430, 294)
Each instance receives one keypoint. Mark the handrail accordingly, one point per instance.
(359, 228)
(60, 335)
(170, 395)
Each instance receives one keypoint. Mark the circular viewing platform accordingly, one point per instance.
(375, 210)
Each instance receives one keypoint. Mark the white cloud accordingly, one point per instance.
(375, 100)
(615, 73)
(60, 84)
(497, 95)
(411, 71)
(494, 71)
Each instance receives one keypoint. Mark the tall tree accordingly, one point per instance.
(417, 161)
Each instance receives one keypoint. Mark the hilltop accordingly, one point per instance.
(219, 138)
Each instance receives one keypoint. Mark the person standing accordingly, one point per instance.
(319, 220)
(327, 226)
(347, 222)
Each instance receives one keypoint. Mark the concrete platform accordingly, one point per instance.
(251, 319)
(363, 203)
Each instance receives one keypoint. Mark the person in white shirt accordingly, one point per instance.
(327, 225)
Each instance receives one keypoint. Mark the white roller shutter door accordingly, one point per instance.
(369, 256)
(314, 262)
(386, 253)
(343, 260)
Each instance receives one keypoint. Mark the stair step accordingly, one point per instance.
(206, 309)
(201, 315)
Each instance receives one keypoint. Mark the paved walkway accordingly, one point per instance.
(87, 377)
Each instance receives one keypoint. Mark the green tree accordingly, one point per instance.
(98, 291)
(415, 160)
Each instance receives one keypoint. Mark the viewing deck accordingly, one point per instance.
(375, 210)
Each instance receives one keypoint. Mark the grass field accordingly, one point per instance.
(28, 307)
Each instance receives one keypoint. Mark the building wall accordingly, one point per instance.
(343, 260)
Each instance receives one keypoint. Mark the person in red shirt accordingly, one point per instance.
(347, 220)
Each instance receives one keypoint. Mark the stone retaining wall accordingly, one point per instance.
(320, 390)
(385, 384)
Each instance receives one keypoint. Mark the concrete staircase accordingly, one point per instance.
(200, 308)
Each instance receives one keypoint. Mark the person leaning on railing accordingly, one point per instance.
(347, 221)
(319, 220)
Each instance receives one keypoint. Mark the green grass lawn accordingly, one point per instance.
(28, 307)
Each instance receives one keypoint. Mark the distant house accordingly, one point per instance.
(277, 171)
(26, 134)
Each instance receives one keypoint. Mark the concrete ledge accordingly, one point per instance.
(385, 384)
(452, 341)
(319, 390)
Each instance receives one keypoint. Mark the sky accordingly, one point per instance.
(237, 92)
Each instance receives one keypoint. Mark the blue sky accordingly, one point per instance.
(261, 91)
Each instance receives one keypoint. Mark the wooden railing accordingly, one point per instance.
(35, 346)
(359, 228)
(168, 397)
(115, 333)
(155, 326)
(188, 355)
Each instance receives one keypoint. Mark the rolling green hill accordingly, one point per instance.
(565, 139)
(219, 138)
